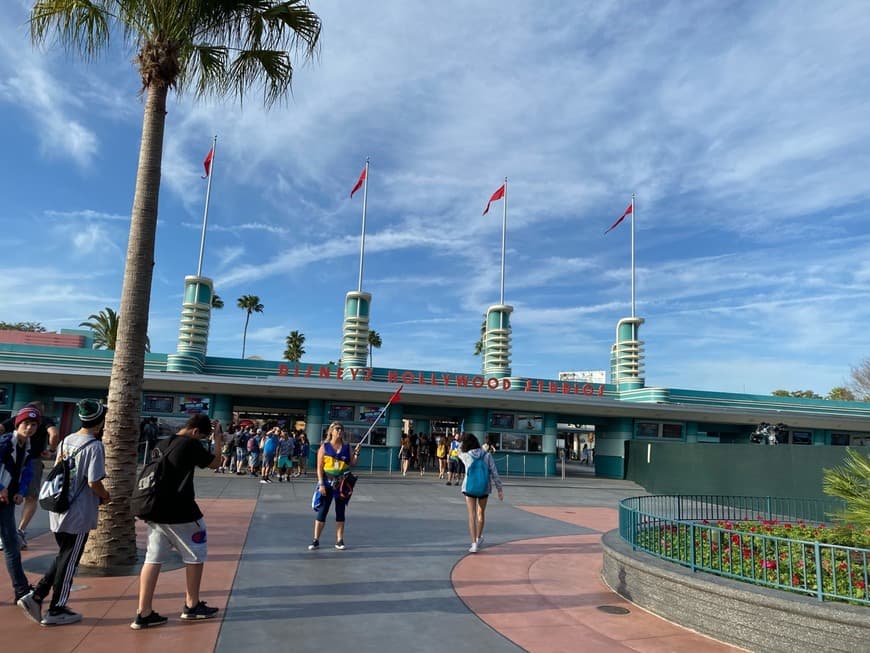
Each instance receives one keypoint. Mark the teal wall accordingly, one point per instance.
(731, 469)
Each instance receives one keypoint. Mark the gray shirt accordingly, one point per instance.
(89, 466)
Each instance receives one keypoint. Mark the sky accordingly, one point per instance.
(742, 128)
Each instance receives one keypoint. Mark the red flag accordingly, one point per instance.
(207, 163)
(359, 182)
(497, 195)
(622, 217)
(397, 395)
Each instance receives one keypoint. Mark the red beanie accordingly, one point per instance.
(26, 413)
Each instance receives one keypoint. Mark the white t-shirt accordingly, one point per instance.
(89, 466)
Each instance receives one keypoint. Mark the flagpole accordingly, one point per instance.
(632, 255)
(362, 242)
(503, 232)
(205, 215)
(378, 419)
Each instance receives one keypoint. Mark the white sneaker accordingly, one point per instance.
(473, 548)
(480, 542)
(32, 608)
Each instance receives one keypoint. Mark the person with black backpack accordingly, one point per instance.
(72, 527)
(176, 522)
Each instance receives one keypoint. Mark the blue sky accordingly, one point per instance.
(742, 127)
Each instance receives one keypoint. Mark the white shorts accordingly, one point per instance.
(188, 539)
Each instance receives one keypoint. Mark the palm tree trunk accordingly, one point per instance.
(113, 544)
(245, 334)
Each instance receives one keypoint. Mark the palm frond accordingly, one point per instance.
(271, 68)
(77, 25)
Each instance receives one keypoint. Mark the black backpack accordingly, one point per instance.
(54, 492)
(149, 490)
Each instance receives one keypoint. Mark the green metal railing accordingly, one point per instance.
(732, 537)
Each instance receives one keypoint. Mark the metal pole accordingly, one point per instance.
(632, 260)
(362, 240)
(205, 214)
(503, 234)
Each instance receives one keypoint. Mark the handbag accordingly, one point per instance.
(345, 486)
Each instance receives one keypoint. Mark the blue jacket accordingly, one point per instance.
(7, 464)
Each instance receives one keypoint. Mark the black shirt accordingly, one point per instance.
(177, 502)
(39, 440)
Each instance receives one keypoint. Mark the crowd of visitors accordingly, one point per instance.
(174, 521)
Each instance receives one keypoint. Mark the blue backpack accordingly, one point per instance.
(477, 477)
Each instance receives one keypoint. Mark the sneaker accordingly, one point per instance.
(60, 616)
(315, 544)
(150, 621)
(473, 548)
(263, 481)
(269, 479)
(480, 542)
(32, 607)
(201, 611)
(22, 539)
(340, 545)
(449, 483)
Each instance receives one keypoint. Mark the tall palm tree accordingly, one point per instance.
(104, 326)
(217, 302)
(251, 303)
(224, 48)
(295, 351)
(374, 342)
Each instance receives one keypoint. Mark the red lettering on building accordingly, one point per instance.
(461, 381)
(308, 371)
(353, 372)
(283, 370)
(552, 387)
(505, 384)
(566, 389)
(407, 377)
(477, 382)
(324, 371)
(587, 389)
(445, 379)
(368, 374)
(492, 384)
(339, 373)
(392, 376)
(528, 385)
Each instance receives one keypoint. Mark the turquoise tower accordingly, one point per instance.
(355, 331)
(626, 355)
(190, 352)
(497, 342)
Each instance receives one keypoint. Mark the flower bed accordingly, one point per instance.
(805, 557)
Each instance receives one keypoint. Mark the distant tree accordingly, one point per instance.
(860, 384)
(479, 345)
(801, 394)
(251, 304)
(32, 327)
(295, 351)
(841, 394)
(217, 302)
(374, 343)
(104, 327)
(851, 482)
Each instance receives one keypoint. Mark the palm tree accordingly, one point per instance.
(225, 48)
(104, 326)
(217, 302)
(251, 303)
(374, 343)
(479, 345)
(295, 351)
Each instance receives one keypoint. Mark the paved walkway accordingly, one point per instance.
(405, 583)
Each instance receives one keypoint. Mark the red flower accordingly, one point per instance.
(735, 539)
(860, 584)
(770, 564)
(795, 580)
